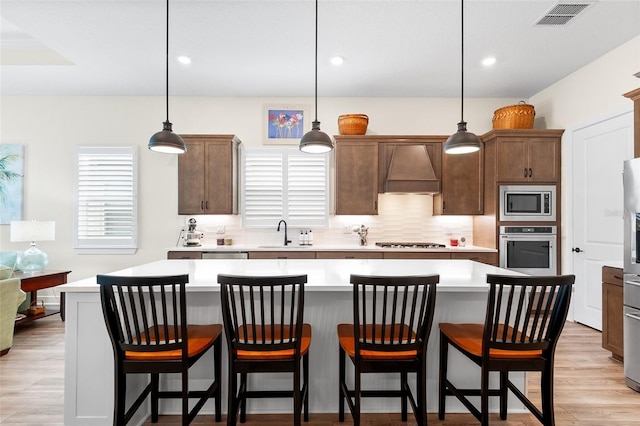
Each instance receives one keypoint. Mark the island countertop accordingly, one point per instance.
(323, 275)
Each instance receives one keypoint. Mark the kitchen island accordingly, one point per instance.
(461, 297)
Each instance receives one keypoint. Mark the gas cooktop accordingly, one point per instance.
(410, 245)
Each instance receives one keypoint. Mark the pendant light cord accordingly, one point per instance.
(167, 64)
(316, 64)
(461, 61)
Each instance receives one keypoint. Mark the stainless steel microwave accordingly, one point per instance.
(527, 203)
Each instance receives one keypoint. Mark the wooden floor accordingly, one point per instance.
(590, 388)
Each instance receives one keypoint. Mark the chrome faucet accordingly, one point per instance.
(286, 239)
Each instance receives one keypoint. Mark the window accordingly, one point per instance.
(285, 184)
(106, 210)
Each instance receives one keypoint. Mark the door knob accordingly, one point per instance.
(577, 250)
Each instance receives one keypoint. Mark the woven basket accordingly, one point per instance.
(514, 117)
(353, 124)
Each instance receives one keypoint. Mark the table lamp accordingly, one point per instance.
(33, 259)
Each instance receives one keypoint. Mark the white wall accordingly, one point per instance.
(593, 93)
(52, 127)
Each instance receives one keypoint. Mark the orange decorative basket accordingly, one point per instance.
(353, 124)
(519, 116)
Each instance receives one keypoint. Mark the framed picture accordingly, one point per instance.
(11, 182)
(285, 124)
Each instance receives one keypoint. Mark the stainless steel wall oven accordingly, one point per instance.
(529, 249)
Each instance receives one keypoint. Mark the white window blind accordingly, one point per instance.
(285, 184)
(106, 211)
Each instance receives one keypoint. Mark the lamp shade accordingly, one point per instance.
(316, 141)
(166, 141)
(462, 141)
(31, 230)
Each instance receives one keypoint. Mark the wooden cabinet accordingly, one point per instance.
(462, 185)
(348, 255)
(282, 254)
(356, 176)
(478, 256)
(524, 155)
(612, 314)
(634, 95)
(208, 175)
(184, 254)
(415, 255)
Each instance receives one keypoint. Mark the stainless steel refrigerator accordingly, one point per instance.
(631, 308)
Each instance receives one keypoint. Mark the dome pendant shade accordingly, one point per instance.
(166, 141)
(316, 141)
(462, 141)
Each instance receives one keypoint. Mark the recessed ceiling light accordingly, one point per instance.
(487, 62)
(184, 59)
(337, 60)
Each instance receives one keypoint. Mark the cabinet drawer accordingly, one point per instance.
(348, 255)
(415, 255)
(612, 275)
(184, 255)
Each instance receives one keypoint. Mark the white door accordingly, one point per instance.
(599, 151)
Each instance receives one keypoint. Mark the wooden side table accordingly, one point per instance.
(31, 282)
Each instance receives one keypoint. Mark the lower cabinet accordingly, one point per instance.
(283, 254)
(612, 313)
(481, 256)
(184, 255)
(348, 255)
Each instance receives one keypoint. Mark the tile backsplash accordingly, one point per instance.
(401, 217)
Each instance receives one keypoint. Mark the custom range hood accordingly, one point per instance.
(410, 171)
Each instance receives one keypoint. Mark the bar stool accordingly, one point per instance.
(524, 319)
(146, 318)
(264, 325)
(392, 317)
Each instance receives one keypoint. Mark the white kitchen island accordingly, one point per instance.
(461, 297)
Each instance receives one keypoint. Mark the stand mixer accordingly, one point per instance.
(192, 237)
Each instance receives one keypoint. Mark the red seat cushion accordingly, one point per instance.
(347, 342)
(201, 337)
(273, 355)
(469, 338)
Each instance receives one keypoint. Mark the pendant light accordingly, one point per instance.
(316, 141)
(462, 142)
(166, 141)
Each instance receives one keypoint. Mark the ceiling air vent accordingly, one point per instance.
(562, 13)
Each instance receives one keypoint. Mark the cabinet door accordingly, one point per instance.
(293, 254)
(184, 255)
(612, 311)
(191, 178)
(348, 255)
(357, 177)
(462, 185)
(482, 257)
(513, 165)
(219, 179)
(543, 160)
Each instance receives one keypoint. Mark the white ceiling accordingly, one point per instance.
(265, 48)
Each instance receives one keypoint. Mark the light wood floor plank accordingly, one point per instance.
(589, 386)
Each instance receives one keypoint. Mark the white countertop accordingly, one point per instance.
(323, 275)
(326, 247)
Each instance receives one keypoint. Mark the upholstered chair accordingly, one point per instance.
(11, 296)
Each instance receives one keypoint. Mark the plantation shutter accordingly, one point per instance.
(285, 184)
(106, 200)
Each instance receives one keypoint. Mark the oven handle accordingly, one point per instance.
(635, 317)
(636, 283)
